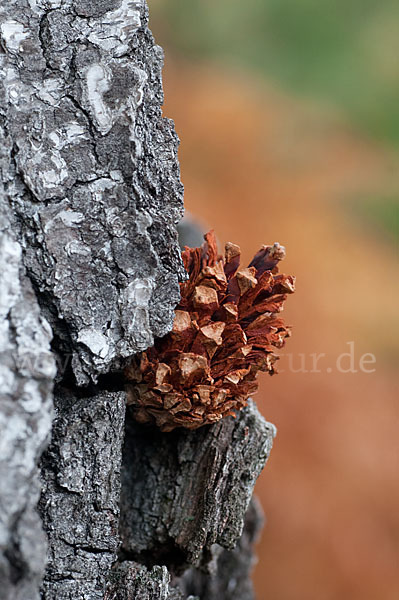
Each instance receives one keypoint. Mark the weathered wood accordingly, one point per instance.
(230, 575)
(184, 491)
(130, 580)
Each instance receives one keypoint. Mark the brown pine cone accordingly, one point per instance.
(225, 328)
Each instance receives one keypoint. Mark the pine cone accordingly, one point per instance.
(225, 328)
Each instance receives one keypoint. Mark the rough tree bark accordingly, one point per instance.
(90, 196)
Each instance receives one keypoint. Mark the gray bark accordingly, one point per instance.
(26, 372)
(90, 196)
(184, 492)
(230, 576)
(91, 172)
(80, 494)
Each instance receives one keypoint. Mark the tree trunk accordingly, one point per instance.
(90, 196)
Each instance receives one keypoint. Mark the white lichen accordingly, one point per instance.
(113, 31)
(132, 103)
(96, 341)
(70, 133)
(143, 222)
(79, 248)
(50, 90)
(116, 175)
(13, 34)
(139, 292)
(98, 81)
(70, 218)
(41, 5)
(135, 300)
(98, 187)
(52, 178)
(17, 93)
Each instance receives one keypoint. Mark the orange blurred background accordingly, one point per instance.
(261, 165)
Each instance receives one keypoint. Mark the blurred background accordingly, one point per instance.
(288, 112)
